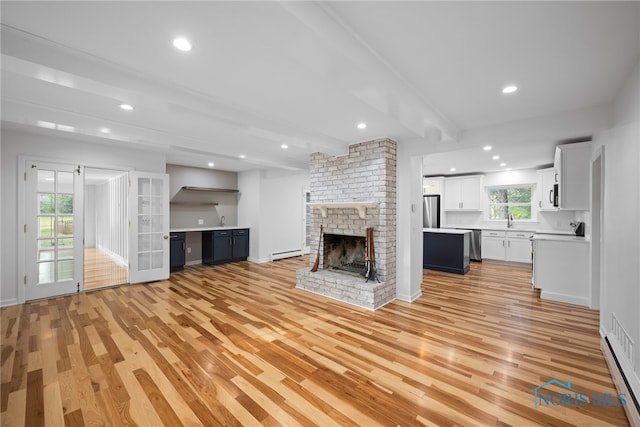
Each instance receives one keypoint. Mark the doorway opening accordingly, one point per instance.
(106, 231)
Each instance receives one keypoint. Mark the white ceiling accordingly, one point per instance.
(266, 73)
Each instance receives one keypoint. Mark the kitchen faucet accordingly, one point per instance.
(509, 221)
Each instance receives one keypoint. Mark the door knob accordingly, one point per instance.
(165, 237)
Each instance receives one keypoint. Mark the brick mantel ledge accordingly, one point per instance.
(361, 207)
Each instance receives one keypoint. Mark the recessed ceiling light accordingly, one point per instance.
(126, 107)
(487, 148)
(105, 130)
(495, 157)
(362, 125)
(509, 89)
(242, 156)
(284, 146)
(210, 164)
(452, 169)
(503, 164)
(182, 44)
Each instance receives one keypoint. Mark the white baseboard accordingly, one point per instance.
(258, 260)
(409, 298)
(285, 254)
(584, 301)
(118, 259)
(623, 378)
(8, 302)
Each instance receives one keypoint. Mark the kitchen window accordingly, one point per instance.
(514, 200)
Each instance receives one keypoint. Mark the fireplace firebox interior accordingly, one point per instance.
(345, 253)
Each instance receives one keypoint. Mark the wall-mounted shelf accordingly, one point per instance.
(194, 203)
(199, 202)
(361, 207)
(209, 189)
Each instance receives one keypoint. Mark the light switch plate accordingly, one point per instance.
(200, 221)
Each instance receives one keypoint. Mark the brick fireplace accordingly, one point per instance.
(349, 194)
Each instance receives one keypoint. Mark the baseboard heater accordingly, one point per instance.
(622, 383)
(285, 254)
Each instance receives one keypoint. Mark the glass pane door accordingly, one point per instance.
(53, 230)
(149, 201)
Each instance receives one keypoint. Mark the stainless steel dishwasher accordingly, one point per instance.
(475, 246)
(475, 249)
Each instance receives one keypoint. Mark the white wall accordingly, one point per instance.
(409, 234)
(249, 209)
(271, 205)
(281, 201)
(184, 216)
(90, 216)
(542, 220)
(55, 147)
(620, 284)
(111, 220)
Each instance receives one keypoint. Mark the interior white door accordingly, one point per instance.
(53, 229)
(149, 227)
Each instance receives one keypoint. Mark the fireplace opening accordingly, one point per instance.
(345, 253)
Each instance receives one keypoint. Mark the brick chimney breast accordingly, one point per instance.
(367, 174)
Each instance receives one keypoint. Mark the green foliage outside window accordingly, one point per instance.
(510, 200)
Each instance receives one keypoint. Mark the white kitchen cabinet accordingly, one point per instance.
(547, 178)
(511, 246)
(518, 247)
(493, 245)
(432, 185)
(560, 269)
(572, 162)
(463, 193)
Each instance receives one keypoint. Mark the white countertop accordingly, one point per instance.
(188, 229)
(445, 230)
(516, 229)
(560, 238)
(522, 230)
(556, 232)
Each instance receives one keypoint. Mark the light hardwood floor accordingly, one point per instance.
(237, 344)
(101, 270)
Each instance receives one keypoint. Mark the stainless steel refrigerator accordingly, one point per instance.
(431, 211)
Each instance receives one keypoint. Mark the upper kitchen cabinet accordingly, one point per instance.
(432, 185)
(572, 162)
(463, 193)
(547, 178)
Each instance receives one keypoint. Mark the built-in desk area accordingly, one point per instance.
(219, 245)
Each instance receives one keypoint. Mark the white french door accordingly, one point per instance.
(53, 229)
(149, 227)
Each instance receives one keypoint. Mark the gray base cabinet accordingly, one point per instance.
(177, 256)
(446, 252)
(221, 246)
